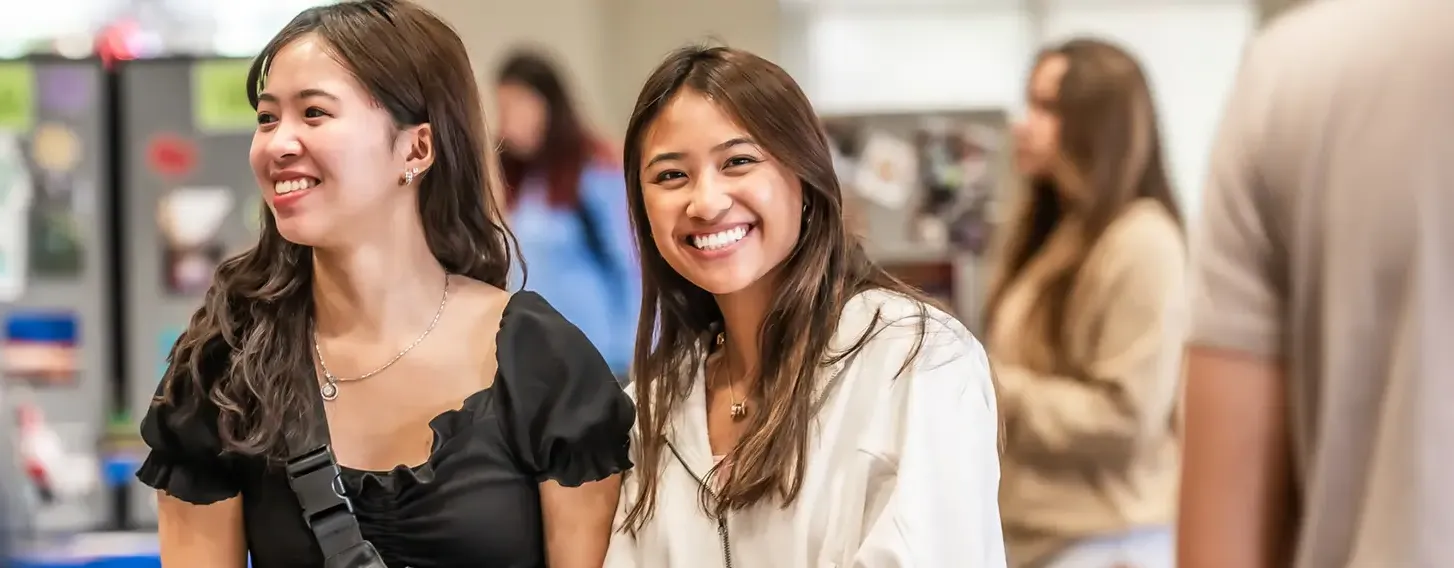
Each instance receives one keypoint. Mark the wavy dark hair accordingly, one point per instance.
(826, 268)
(258, 312)
(1109, 156)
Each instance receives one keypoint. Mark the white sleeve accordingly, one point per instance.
(940, 437)
(622, 551)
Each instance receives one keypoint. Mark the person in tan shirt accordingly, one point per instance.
(1321, 364)
(1086, 320)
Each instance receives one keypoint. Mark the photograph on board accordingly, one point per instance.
(189, 220)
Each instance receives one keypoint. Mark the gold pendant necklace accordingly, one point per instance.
(738, 410)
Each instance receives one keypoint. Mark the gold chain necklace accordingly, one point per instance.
(738, 410)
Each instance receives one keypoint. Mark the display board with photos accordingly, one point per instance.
(57, 346)
(190, 201)
(923, 189)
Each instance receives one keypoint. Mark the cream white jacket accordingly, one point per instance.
(902, 472)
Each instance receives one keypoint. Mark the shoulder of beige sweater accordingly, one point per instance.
(1144, 233)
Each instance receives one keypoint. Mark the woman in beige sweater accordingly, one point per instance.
(1086, 320)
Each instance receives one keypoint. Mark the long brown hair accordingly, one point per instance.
(568, 146)
(825, 269)
(1109, 157)
(260, 304)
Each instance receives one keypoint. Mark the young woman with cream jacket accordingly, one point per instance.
(798, 407)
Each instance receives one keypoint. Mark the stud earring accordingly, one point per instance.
(409, 175)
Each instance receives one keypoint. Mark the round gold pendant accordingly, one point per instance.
(738, 412)
(329, 391)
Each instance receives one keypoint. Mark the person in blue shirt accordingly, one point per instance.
(566, 198)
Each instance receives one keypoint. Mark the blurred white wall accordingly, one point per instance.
(569, 29)
(641, 32)
(607, 46)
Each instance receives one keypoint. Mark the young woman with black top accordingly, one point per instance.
(471, 427)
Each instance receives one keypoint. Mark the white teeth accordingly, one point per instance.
(292, 185)
(719, 240)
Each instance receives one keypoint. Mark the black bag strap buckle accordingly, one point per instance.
(317, 480)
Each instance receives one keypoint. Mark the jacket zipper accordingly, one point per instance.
(722, 533)
(726, 542)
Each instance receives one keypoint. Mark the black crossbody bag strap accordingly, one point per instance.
(315, 478)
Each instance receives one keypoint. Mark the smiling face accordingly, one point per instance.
(328, 159)
(723, 213)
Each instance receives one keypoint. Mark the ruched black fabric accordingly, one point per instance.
(554, 412)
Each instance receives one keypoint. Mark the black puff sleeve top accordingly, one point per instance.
(554, 412)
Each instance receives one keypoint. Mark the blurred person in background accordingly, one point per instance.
(800, 407)
(1321, 368)
(366, 348)
(567, 204)
(1087, 318)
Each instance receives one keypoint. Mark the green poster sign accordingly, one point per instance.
(219, 96)
(17, 96)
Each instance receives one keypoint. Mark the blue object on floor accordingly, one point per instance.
(152, 561)
(92, 550)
